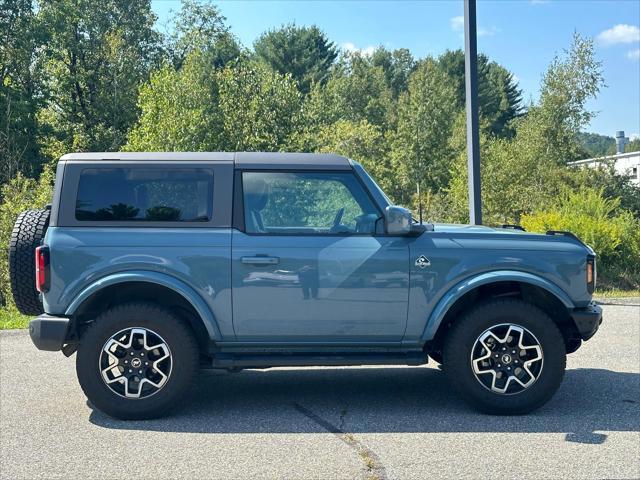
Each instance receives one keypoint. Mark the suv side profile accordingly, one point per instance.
(153, 265)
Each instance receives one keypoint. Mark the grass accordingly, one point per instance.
(616, 293)
(11, 318)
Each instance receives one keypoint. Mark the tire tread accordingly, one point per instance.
(27, 234)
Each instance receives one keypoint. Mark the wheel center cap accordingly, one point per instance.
(136, 363)
(506, 359)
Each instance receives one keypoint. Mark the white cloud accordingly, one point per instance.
(457, 25)
(634, 54)
(487, 32)
(634, 136)
(351, 48)
(621, 33)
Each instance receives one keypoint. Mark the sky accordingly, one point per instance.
(521, 35)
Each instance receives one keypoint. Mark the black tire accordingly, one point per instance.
(462, 337)
(28, 233)
(184, 358)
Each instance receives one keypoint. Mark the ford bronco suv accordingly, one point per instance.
(153, 265)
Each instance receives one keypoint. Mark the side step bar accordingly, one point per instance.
(232, 361)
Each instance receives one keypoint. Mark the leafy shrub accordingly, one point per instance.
(613, 233)
(612, 183)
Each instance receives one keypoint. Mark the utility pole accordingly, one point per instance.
(471, 89)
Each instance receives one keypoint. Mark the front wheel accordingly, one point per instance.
(505, 357)
(136, 361)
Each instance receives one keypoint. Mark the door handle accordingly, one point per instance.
(260, 260)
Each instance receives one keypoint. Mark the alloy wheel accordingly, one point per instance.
(507, 358)
(135, 363)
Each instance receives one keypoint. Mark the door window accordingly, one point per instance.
(307, 203)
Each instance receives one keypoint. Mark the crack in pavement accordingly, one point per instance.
(343, 416)
(374, 469)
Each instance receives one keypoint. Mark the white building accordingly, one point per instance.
(624, 164)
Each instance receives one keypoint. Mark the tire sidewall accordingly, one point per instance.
(462, 338)
(179, 340)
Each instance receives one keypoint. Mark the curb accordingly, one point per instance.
(625, 301)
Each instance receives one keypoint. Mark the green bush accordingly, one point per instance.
(21, 193)
(612, 232)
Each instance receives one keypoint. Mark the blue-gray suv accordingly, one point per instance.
(153, 265)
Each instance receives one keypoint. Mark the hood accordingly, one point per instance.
(474, 229)
(477, 235)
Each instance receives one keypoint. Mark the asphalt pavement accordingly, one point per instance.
(322, 423)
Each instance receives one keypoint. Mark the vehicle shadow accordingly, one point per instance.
(387, 400)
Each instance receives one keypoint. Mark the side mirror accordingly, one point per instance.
(397, 220)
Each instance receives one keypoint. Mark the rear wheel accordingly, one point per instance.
(27, 234)
(136, 361)
(505, 357)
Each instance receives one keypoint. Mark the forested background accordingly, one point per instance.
(84, 75)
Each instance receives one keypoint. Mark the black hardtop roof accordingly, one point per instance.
(241, 159)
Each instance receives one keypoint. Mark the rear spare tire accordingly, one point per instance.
(28, 233)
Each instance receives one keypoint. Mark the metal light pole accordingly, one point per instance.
(471, 88)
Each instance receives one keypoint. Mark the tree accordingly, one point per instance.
(358, 141)
(245, 106)
(179, 109)
(20, 89)
(569, 83)
(356, 91)
(632, 146)
(500, 101)
(260, 108)
(595, 145)
(305, 53)
(425, 121)
(524, 174)
(200, 26)
(498, 95)
(397, 66)
(96, 56)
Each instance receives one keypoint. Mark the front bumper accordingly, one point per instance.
(587, 320)
(48, 332)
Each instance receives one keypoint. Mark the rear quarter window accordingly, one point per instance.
(144, 195)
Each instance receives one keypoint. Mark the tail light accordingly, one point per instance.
(591, 273)
(42, 268)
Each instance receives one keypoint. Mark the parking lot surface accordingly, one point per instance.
(322, 423)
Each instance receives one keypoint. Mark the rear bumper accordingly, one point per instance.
(49, 333)
(587, 320)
